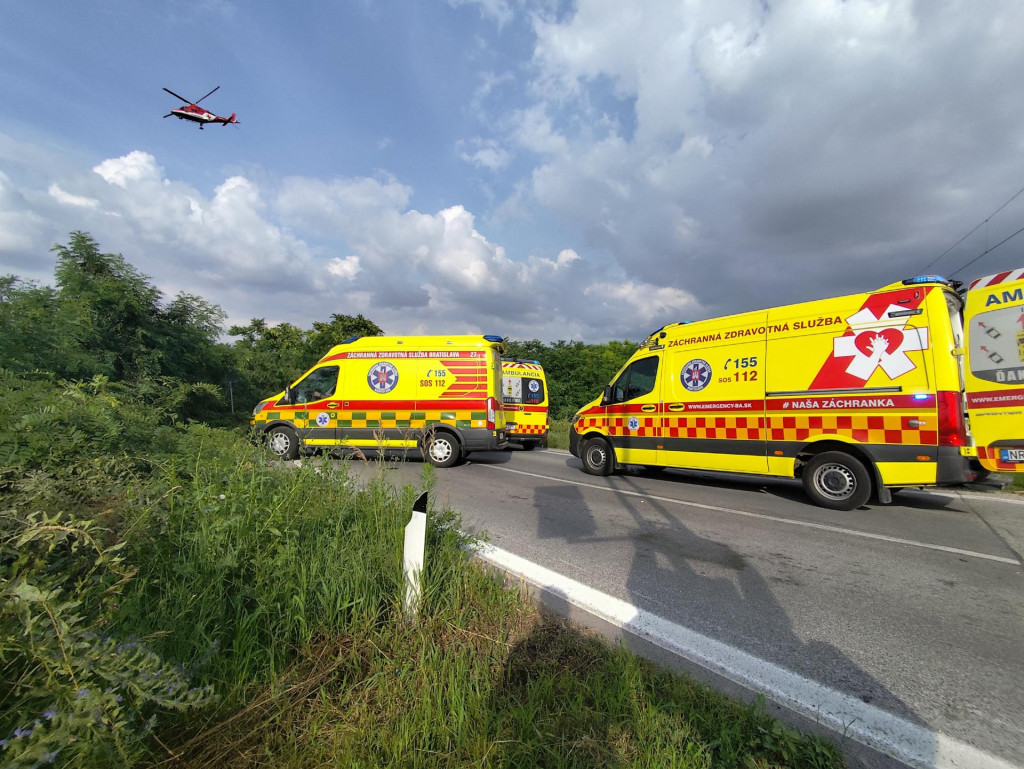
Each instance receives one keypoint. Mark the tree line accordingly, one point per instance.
(102, 317)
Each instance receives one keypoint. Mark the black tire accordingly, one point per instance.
(283, 442)
(837, 481)
(597, 457)
(441, 449)
(529, 445)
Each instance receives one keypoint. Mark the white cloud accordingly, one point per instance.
(816, 138)
(484, 153)
(346, 268)
(71, 200)
(362, 249)
(499, 11)
(133, 167)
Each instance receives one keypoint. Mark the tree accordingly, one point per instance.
(576, 372)
(109, 310)
(30, 333)
(268, 357)
(324, 336)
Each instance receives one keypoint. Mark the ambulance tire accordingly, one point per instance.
(837, 481)
(597, 457)
(530, 445)
(283, 442)
(441, 449)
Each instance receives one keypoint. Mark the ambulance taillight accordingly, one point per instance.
(952, 428)
(492, 407)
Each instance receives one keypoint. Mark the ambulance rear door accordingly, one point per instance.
(994, 369)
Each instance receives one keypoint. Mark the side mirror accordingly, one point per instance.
(288, 394)
(607, 397)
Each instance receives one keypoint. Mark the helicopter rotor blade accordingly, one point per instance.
(172, 93)
(168, 114)
(199, 100)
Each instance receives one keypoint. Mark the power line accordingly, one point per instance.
(987, 250)
(939, 257)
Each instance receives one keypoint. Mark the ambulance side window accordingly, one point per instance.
(638, 379)
(316, 385)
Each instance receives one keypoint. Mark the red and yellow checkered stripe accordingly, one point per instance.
(863, 428)
(991, 459)
(517, 429)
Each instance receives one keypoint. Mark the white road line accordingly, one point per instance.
(911, 743)
(762, 516)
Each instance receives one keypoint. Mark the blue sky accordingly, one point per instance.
(552, 170)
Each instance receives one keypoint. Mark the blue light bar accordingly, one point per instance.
(494, 338)
(921, 396)
(925, 279)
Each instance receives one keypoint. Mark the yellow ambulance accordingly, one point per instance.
(439, 395)
(524, 390)
(915, 384)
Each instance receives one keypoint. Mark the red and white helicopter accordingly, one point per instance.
(192, 111)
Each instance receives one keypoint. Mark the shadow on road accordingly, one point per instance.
(705, 585)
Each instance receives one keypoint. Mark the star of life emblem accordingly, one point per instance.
(323, 419)
(695, 374)
(383, 377)
(880, 343)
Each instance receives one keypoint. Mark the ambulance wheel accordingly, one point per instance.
(283, 442)
(529, 445)
(837, 481)
(441, 449)
(597, 457)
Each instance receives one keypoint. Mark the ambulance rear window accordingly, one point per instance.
(996, 346)
(517, 389)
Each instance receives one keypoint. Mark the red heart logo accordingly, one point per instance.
(887, 340)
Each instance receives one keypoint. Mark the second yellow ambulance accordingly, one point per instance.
(524, 390)
(910, 385)
(439, 395)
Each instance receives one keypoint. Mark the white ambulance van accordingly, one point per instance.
(915, 384)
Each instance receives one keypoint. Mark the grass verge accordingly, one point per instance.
(558, 434)
(213, 610)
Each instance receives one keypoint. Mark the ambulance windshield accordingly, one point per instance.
(638, 379)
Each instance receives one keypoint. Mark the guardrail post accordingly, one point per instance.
(415, 543)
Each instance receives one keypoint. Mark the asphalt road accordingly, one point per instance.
(916, 607)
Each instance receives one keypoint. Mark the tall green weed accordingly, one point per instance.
(72, 690)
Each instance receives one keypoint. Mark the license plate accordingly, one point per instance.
(1012, 455)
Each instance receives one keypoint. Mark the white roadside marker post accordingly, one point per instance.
(415, 543)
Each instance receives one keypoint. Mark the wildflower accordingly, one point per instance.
(81, 693)
(221, 497)
(22, 732)
(50, 713)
